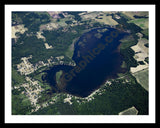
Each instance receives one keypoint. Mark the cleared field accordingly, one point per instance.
(48, 46)
(141, 22)
(131, 14)
(88, 15)
(18, 28)
(129, 111)
(106, 20)
(138, 68)
(49, 26)
(141, 43)
(141, 52)
(39, 36)
(142, 78)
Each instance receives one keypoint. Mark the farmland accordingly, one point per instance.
(142, 22)
(129, 111)
(142, 78)
(131, 14)
(106, 20)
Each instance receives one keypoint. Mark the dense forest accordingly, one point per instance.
(21, 105)
(31, 20)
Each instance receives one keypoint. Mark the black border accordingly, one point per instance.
(156, 124)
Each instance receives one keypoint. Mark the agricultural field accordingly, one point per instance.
(142, 78)
(141, 53)
(132, 14)
(106, 20)
(141, 22)
(129, 111)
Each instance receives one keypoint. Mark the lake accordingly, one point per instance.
(98, 58)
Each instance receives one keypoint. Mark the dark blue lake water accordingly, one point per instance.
(104, 62)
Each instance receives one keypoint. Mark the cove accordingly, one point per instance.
(101, 67)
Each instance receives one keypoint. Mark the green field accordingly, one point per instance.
(141, 22)
(142, 78)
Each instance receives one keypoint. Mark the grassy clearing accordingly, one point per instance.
(141, 50)
(62, 22)
(131, 14)
(141, 43)
(142, 78)
(129, 111)
(141, 22)
(106, 20)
